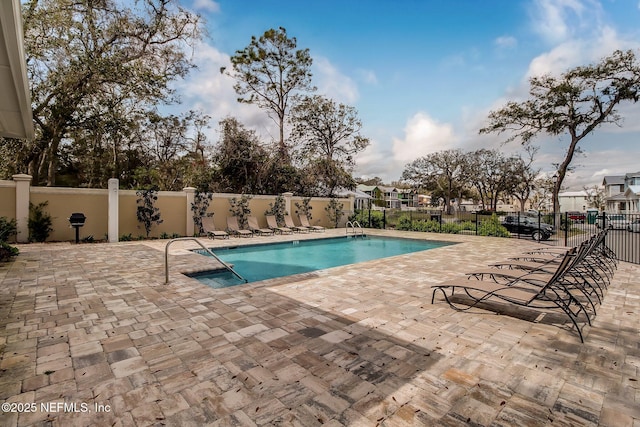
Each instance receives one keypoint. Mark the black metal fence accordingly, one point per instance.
(567, 229)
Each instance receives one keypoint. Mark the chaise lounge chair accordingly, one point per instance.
(288, 221)
(255, 228)
(210, 229)
(549, 294)
(304, 221)
(234, 228)
(272, 223)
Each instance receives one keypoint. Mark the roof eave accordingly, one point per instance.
(16, 119)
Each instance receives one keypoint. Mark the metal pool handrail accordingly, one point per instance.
(353, 225)
(209, 251)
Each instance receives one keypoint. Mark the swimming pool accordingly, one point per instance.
(268, 261)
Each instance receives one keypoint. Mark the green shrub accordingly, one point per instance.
(126, 237)
(199, 208)
(7, 251)
(451, 228)
(304, 208)
(467, 225)
(334, 211)
(277, 209)
(405, 224)
(492, 227)
(147, 213)
(7, 228)
(240, 209)
(377, 218)
(39, 222)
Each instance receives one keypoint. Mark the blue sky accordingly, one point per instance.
(424, 75)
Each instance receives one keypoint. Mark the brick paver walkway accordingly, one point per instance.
(91, 335)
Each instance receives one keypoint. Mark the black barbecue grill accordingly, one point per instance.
(76, 220)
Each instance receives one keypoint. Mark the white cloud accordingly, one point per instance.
(367, 76)
(506, 42)
(422, 135)
(332, 83)
(206, 5)
(210, 91)
(552, 19)
(557, 60)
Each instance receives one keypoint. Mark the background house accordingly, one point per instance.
(622, 193)
(408, 198)
(574, 201)
(382, 196)
(362, 200)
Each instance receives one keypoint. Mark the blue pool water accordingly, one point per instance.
(268, 261)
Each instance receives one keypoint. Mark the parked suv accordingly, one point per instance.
(528, 226)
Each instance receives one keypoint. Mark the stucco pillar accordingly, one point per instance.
(287, 202)
(191, 198)
(352, 202)
(23, 185)
(113, 219)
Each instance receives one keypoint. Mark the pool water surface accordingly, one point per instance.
(268, 261)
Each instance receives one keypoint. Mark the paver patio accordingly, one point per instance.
(95, 327)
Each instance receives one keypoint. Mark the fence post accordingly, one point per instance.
(566, 227)
(113, 221)
(476, 223)
(23, 185)
(384, 219)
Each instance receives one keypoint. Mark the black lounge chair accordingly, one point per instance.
(530, 292)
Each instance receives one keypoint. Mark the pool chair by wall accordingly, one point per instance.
(255, 228)
(305, 223)
(272, 223)
(288, 221)
(234, 228)
(210, 229)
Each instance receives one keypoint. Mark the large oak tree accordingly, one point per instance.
(328, 137)
(572, 104)
(443, 172)
(91, 61)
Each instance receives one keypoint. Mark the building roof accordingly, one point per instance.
(580, 193)
(363, 187)
(617, 197)
(613, 180)
(16, 117)
(632, 190)
(387, 189)
(343, 192)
